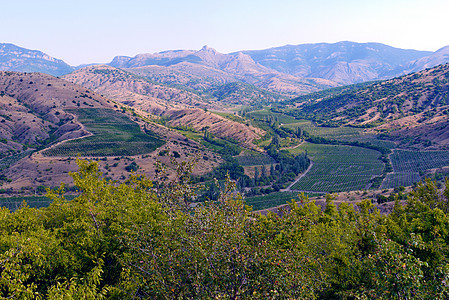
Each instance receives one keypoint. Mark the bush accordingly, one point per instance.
(132, 167)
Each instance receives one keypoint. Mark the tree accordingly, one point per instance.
(256, 175)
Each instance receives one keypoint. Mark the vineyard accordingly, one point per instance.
(270, 200)
(409, 165)
(344, 134)
(114, 134)
(393, 180)
(10, 160)
(418, 161)
(255, 160)
(339, 168)
(264, 115)
(336, 133)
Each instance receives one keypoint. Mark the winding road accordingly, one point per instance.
(289, 188)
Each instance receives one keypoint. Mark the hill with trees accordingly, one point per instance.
(406, 106)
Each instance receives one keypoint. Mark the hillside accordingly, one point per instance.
(46, 122)
(413, 106)
(130, 89)
(14, 58)
(441, 56)
(32, 107)
(210, 83)
(167, 102)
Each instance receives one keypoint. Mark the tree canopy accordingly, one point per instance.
(136, 240)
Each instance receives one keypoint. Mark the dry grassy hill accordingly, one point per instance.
(32, 107)
(138, 93)
(40, 112)
(118, 84)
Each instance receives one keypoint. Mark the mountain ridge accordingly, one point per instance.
(15, 58)
(289, 70)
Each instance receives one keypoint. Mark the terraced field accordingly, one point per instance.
(338, 168)
(409, 165)
(114, 134)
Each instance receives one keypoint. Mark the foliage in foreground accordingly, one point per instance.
(138, 241)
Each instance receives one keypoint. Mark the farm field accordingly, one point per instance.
(265, 114)
(346, 134)
(393, 180)
(408, 166)
(418, 161)
(327, 132)
(271, 200)
(338, 168)
(255, 160)
(114, 135)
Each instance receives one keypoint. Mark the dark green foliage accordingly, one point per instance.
(132, 167)
(135, 240)
(225, 148)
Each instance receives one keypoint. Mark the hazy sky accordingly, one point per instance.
(87, 31)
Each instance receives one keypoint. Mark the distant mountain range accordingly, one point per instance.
(14, 58)
(289, 70)
(343, 62)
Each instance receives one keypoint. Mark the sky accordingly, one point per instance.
(95, 31)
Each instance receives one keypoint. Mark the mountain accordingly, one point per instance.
(439, 57)
(14, 58)
(413, 106)
(343, 62)
(237, 63)
(287, 71)
(208, 68)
